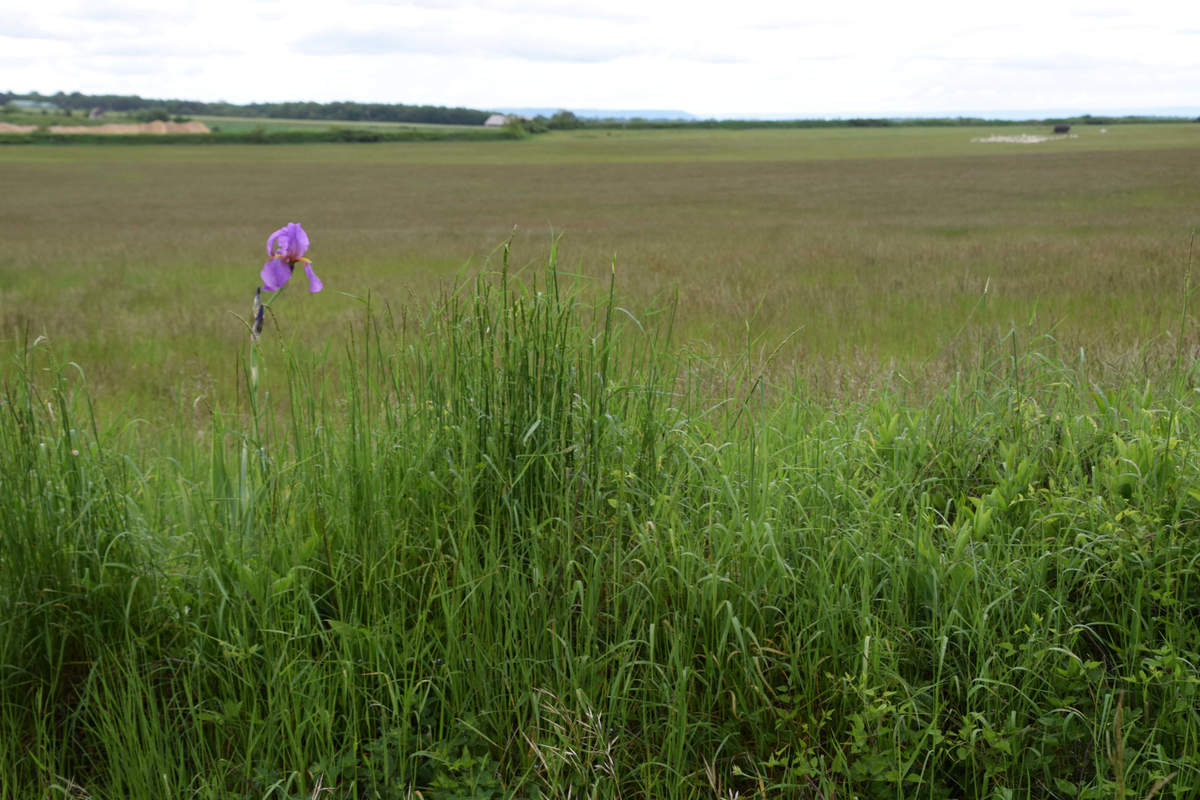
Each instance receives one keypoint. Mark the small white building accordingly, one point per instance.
(496, 121)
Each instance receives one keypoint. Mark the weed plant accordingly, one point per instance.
(515, 547)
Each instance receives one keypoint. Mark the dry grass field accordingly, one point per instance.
(875, 245)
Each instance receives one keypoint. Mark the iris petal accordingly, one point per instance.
(275, 274)
(314, 283)
(297, 240)
(272, 239)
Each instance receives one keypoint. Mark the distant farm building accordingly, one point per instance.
(1062, 128)
(496, 121)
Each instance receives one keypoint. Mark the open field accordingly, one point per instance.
(639, 146)
(133, 263)
(231, 124)
(547, 532)
(516, 550)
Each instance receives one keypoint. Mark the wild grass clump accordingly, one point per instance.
(510, 549)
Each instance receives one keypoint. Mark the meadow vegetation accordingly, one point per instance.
(540, 530)
(134, 261)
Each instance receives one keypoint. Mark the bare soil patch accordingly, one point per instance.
(158, 128)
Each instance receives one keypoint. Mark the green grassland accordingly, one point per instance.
(805, 464)
(876, 245)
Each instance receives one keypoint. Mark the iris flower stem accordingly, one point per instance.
(254, 359)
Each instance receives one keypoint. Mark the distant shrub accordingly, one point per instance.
(538, 124)
(515, 128)
(564, 121)
(152, 115)
(356, 135)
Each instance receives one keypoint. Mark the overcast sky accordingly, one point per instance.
(742, 57)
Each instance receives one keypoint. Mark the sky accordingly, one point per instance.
(740, 58)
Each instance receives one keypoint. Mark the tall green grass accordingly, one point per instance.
(517, 546)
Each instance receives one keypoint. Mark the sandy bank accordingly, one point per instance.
(114, 128)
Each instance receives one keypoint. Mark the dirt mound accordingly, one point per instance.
(156, 127)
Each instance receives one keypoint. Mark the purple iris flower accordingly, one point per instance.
(287, 247)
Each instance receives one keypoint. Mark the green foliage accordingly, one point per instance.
(154, 114)
(339, 111)
(516, 546)
(564, 121)
(535, 125)
(515, 128)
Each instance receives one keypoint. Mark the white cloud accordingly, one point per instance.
(23, 25)
(752, 56)
(451, 43)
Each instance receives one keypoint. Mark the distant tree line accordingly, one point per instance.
(342, 111)
(859, 122)
(262, 136)
(149, 109)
